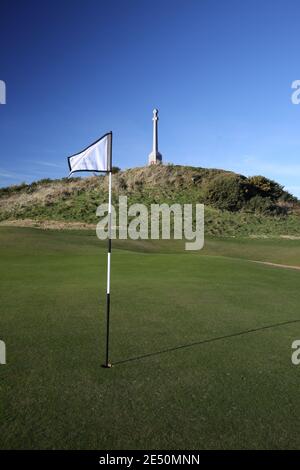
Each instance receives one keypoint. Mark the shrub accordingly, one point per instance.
(15, 188)
(288, 197)
(259, 204)
(227, 192)
(115, 169)
(265, 187)
(44, 181)
(264, 206)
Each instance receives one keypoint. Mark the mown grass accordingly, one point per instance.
(201, 344)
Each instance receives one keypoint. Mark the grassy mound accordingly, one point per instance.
(234, 205)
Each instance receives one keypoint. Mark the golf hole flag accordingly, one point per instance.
(96, 157)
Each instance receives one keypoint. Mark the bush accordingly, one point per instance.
(265, 206)
(44, 181)
(265, 187)
(15, 188)
(289, 198)
(227, 192)
(260, 205)
(115, 169)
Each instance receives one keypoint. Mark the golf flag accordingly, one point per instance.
(96, 157)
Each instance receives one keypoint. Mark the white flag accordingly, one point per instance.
(96, 157)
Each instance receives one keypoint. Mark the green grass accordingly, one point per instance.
(76, 200)
(183, 377)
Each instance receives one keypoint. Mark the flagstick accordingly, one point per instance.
(98, 157)
(107, 363)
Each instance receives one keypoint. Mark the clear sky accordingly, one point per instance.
(220, 72)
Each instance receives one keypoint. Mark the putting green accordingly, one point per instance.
(201, 344)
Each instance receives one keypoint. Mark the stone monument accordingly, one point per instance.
(155, 158)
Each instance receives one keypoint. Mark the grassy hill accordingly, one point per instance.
(234, 205)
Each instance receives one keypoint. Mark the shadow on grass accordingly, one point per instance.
(205, 341)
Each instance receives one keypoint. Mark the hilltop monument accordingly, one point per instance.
(155, 158)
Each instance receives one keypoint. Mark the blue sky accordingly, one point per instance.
(220, 73)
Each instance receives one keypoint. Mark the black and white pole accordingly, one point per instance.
(97, 157)
(107, 363)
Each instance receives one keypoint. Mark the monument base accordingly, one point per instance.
(155, 158)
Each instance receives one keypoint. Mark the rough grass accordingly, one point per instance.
(201, 344)
(76, 200)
